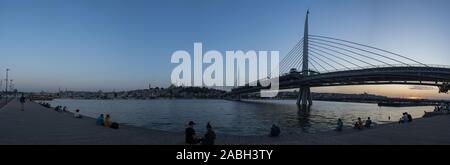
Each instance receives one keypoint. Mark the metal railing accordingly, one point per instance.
(385, 66)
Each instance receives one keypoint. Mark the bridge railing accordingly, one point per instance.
(383, 66)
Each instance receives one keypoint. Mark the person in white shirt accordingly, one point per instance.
(77, 114)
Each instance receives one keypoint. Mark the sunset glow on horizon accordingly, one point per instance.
(401, 91)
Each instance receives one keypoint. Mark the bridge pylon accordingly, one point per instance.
(304, 97)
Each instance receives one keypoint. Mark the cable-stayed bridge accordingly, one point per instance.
(317, 61)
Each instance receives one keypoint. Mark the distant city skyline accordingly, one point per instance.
(118, 45)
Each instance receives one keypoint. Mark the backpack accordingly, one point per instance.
(115, 125)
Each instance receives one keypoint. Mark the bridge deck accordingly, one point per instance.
(432, 76)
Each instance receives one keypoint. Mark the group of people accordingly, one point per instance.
(442, 108)
(359, 124)
(106, 121)
(60, 109)
(103, 120)
(207, 139)
(406, 118)
(46, 105)
(210, 136)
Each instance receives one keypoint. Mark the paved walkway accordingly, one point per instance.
(40, 125)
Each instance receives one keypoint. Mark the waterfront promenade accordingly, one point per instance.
(40, 125)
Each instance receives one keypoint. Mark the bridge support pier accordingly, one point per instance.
(304, 97)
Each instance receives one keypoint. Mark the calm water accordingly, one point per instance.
(238, 118)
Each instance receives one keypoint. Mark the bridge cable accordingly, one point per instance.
(286, 58)
(294, 64)
(319, 64)
(362, 50)
(291, 54)
(299, 63)
(293, 61)
(314, 66)
(314, 48)
(370, 47)
(317, 58)
(312, 44)
(352, 52)
(329, 59)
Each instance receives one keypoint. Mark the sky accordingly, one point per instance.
(121, 45)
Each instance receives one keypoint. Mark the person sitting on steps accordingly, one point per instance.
(275, 131)
(339, 124)
(368, 123)
(100, 120)
(107, 121)
(359, 124)
(77, 114)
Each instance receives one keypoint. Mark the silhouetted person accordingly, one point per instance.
(190, 134)
(77, 114)
(100, 120)
(275, 131)
(409, 117)
(58, 108)
(404, 118)
(359, 124)
(107, 121)
(22, 102)
(339, 125)
(210, 136)
(368, 123)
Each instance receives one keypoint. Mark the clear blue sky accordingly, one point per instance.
(119, 44)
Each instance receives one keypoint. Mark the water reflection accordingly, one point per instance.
(303, 113)
(249, 117)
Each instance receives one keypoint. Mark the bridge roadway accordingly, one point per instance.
(412, 75)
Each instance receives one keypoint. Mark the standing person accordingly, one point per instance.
(22, 102)
(210, 136)
(190, 134)
(107, 121)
